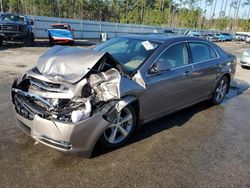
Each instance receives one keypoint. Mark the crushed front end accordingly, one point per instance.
(65, 106)
(62, 122)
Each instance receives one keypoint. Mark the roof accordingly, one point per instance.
(8, 13)
(161, 37)
(59, 24)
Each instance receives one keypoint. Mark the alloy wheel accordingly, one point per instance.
(221, 90)
(120, 128)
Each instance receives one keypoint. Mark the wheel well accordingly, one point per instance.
(135, 105)
(229, 80)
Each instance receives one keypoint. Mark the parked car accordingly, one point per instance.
(169, 31)
(192, 33)
(61, 34)
(211, 38)
(76, 97)
(245, 59)
(220, 37)
(228, 36)
(248, 39)
(17, 28)
(239, 37)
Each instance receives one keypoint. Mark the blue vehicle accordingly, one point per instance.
(61, 34)
(220, 37)
(228, 36)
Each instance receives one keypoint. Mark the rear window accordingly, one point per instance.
(201, 52)
(59, 27)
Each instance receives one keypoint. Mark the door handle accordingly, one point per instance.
(187, 73)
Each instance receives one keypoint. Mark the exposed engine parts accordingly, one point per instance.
(61, 88)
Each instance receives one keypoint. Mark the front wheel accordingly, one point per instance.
(220, 90)
(29, 41)
(121, 129)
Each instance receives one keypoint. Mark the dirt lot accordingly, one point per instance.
(202, 146)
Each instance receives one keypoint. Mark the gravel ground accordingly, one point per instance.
(202, 146)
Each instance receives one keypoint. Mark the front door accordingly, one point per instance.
(168, 90)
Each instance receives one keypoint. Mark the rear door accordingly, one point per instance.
(206, 67)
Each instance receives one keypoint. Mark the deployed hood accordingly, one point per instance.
(68, 64)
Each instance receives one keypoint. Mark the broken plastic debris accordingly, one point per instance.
(80, 115)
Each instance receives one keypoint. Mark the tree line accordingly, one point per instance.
(170, 13)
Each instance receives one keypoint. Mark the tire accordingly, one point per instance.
(220, 90)
(51, 41)
(71, 43)
(117, 135)
(29, 41)
(242, 66)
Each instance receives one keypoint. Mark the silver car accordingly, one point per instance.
(245, 59)
(75, 98)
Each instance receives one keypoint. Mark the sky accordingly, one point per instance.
(242, 12)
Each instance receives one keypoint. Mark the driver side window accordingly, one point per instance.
(176, 55)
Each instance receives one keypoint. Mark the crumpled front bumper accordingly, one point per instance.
(79, 138)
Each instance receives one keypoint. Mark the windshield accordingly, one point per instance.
(59, 27)
(11, 17)
(130, 53)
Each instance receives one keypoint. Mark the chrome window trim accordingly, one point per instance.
(148, 74)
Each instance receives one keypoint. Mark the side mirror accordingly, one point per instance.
(163, 65)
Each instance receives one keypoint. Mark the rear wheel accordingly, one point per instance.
(220, 90)
(121, 129)
(71, 43)
(242, 66)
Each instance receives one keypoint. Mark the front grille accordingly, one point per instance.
(21, 110)
(6, 27)
(46, 86)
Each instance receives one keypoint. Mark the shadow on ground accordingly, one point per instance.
(178, 118)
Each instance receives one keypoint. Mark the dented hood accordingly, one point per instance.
(68, 64)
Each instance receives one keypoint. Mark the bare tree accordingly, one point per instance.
(222, 13)
(247, 3)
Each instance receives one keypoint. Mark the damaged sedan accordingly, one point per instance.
(75, 98)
